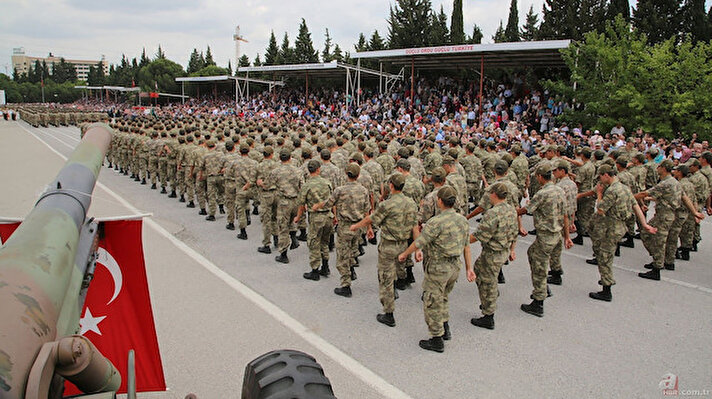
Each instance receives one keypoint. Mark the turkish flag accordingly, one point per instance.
(117, 315)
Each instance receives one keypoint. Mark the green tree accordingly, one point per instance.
(376, 42)
(96, 77)
(244, 61)
(695, 25)
(499, 36)
(209, 58)
(286, 53)
(591, 16)
(530, 30)
(326, 53)
(160, 54)
(338, 55)
(457, 25)
(63, 72)
(408, 23)
(144, 59)
(362, 44)
(257, 61)
(272, 54)
(209, 70)
(476, 37)
(557, 17)
(195, 63)
(163, 73)
(439, 33)
(229, 66)
(616, 7)
(511, 32)
(304, 47)
(659, 20)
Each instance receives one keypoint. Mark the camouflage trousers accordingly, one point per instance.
(318, 234)
(545, 250)
(181, 180)
(230, 193)
(487, 267)
(153, 169)
(346, 246)
(172, 174)
(474, 191)
(189, 185)
(388, 252)
(674, 235)
(163, 171)
(142, 167)
(268, 215)
(242, 205)
(605, 235)
(584, 213)
(201, 192)
(687, 235)
(655, 243)
(440, 277)
(216, 185)
(286, 211)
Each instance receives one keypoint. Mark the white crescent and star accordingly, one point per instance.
(89, 322)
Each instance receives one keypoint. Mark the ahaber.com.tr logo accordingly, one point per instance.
(669, 384)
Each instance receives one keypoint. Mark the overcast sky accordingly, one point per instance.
(86, 29)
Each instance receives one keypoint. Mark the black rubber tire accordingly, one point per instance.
(285, 374)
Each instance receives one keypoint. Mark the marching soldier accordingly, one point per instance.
(316, 190)
(288, 179)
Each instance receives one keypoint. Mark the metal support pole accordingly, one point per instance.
(412, 82)
(348, 84)
(237, 82)
(247, 83)
(380, 78)
(358, 83)
(306, 100)
(482, 77)
(182, 92)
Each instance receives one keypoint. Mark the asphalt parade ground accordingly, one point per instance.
(218, 304)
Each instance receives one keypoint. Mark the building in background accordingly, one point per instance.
(22, 63)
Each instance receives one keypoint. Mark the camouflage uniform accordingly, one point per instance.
(473, 176)
(352, 203)
(316, 190)
(496, 232)
(700, 195)
(268, 200)
(230, 185)
(570, 190)
(667, 195)
(607, 229)
(681, 222)
(245, 173)
(215, 164)
(288, 179)
(396, 218)
(458, 182)
(585, 180)
(444, 237)
(512, 194)
(548, 208)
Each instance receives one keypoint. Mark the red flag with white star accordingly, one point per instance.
(117, 314)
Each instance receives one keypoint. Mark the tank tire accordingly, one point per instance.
(288, 374)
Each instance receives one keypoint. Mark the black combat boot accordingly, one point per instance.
(361, 251)
(324, 271)
(554, 278)
(191, 204)
(627, 241)
(255, 211)
(669, 266)
(295, 242)
(275, 240)
(173, 194)
(604, 295)
(694, 246)
(247, 215)
(387, 319)
(302, 235)
(331, 242)
(153, 186)
(409, 275)
(282, 258)
(648, 265)
(264, 250)
(242, 235)
(202, 212)
(401, 284)
(578, 240)
(110, 166)
(143, 182)
(126, 172)
(685, 253)
(651, 275)
(230, 226)
(618, 251)
(353, 274)
(182, 198)
(446, 335)
(535, 308)
(434, 344)
(363, 240)
(486, 321)
(532, 232)
(163, 190)
(373, 241)
(500, 277)
(221, 207)
(343, 291)
(593, 261)
(312, 275)
(210, 218)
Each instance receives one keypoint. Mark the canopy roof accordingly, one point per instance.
(496, 55)
(331, 69)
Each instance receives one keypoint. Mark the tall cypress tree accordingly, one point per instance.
(457, 25)
(409, 23)
(286, 53)
(476, 37)
(376, 42)
(326, 54)
(659, 20)
(554, 19)
(362, 44)
(499, 35)
(695, 24)
(439, 33)
(194, 63)
(304, 47)
(530, 30)
(272, 53)
(209, 57)
(616, 7)
(511, 33)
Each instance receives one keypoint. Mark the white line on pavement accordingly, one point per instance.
(319, 343)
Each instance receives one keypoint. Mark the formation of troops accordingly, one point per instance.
(342, 189)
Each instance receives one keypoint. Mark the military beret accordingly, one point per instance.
(397, 179)
(543, 168)
(562, 164)
(501, 167)
(667, 165)
(438, 175)
(403, 164)
(353, 170)
(447, 193)
(605, 169)
(448, 160)
(313, 165)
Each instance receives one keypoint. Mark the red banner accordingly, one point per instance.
(117, 314)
